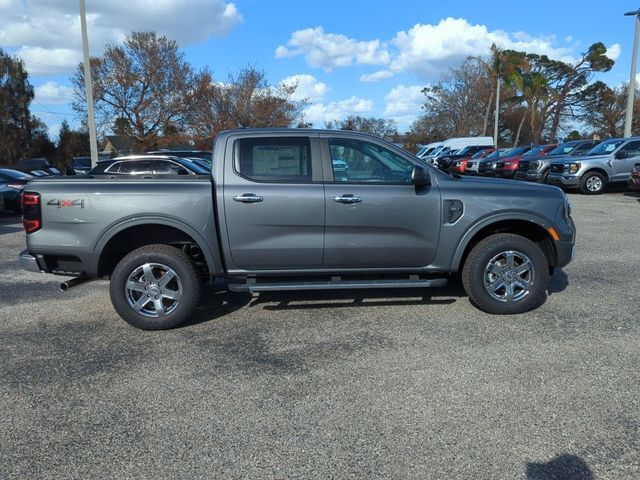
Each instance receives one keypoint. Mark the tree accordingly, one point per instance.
(16, 94)
(572, 79)
(71, 143)
(145, 82)
(380, 127)
(456, 101)
(40, 145)
(246, 99)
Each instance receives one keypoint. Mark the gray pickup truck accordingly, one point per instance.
(610, 162)
(295, 209)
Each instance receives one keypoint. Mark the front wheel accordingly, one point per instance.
(592, 183)
(155, 287)
(506, 274)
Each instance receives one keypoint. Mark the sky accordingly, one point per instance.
(349, 57)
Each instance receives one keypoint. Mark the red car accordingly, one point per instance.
(507, 167)
(634, 179)
(459, 165)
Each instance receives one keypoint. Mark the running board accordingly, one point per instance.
(252, 286)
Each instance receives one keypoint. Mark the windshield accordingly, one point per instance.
(535, 151)
(81, 162)
(606, 147)
(422, 151)
(497, 154)
(564, 149)
(482, 153)
(14, 174)
(194, 167)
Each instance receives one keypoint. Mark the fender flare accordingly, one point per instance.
(489, 220)
(214, 262)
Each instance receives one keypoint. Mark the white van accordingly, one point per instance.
(453, 144)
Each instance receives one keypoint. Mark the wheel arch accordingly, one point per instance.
(599, 170)
(528, 226)
(125, 237)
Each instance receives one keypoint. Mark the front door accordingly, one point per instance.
(622, 167)
(273, 203)
(376, 218)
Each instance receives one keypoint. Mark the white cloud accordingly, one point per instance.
(404, 104)
(613, 51)
(319, 113)
(426, 50)
(49, 61)
(53, 93)
(330, 50)
(46, 33)
(377, 76)
(308, 87)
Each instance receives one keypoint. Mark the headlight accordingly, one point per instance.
(573, 167)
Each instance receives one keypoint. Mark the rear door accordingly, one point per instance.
(273, 203)
(376, 218)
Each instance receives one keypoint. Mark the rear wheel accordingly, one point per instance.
(506, 274)
(592, 183)
(155, 287)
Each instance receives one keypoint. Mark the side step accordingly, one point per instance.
(336, 284)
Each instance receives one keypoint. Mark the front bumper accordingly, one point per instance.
(528, 176)
(29, 262)
(563, 180)
(565, 251)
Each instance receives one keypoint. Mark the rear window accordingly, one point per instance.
(274, 159)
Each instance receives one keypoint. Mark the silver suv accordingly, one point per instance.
(610, 162)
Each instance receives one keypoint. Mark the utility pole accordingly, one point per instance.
(91, 121)
(497, 113)
(632, 77)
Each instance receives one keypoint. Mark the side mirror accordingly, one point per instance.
(419, 177)
(621, 154)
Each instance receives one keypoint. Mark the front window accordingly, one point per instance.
(357, 161)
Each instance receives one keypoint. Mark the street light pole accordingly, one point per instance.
(497, 113)
(91, 121)
(632, 77)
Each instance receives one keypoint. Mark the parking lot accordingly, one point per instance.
(363, 384)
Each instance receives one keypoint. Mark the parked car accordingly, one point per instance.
(12, 183)
(444, 162)
(148, 165)
(459, 166)
(202, 154)
(612, 161)
(453, 144)
(473, 166)
(426, 150)
(278, 220)
(537, 169)
(507, 167)
(634, 178)
(487, 167)
(79, 166)
(28, 165)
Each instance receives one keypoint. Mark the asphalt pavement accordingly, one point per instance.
(364, 384)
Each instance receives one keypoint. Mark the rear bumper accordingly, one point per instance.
(29, 262)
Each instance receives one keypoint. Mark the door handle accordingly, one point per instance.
(248, 198)
(347, 198)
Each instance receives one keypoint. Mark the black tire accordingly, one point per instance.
(478, 276)
(179, 294)
(592, 183)
(545, 176)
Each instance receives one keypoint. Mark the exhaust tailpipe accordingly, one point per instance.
(74, 282)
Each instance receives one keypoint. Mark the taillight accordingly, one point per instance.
(31, 213)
